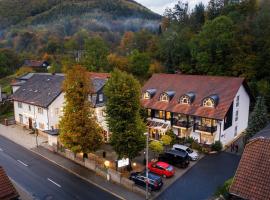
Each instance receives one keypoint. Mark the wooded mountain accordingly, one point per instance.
(68, 16)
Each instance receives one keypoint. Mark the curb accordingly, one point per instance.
(72, 172)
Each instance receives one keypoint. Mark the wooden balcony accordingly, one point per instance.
(182, 124)
(209, 129)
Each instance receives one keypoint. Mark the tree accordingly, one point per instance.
(123, 94)
(172, 135)
(213, 47)
(198, 17)
(139, 63)
(118, 62)
(79, 130)
(258, 118)
(166, 140)
(156, 147)
(96, 54)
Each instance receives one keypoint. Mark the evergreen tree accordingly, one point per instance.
(79, 130)
(258, 118)
(123, 94)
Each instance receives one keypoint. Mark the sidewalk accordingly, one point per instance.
(86, 174)
(23, 138)
(20, 136)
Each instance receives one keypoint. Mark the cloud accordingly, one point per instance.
(159, 6)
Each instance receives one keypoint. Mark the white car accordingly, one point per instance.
(193, 155)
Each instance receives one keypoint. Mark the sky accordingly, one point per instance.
(159, 6)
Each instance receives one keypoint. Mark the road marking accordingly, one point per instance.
(54, 182)
(1, 149)
(22, 163)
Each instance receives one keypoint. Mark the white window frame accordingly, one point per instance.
(164, 97)
(20, 105)
(40, 110)
(208, 102)
(146, 95)
(237, 100)
(184, 100)
(100, 98)
(236, 115)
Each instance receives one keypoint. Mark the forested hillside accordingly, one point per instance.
(227, 38)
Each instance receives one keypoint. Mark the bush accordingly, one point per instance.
(196, 146)
(190, 140)
(224, 190)
(217, 146)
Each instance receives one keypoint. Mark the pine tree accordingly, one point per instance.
(123, 114)
(258, 118)
(79, 130)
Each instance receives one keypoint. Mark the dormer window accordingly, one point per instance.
(146, 95)
(211, 101)
(164, 97)
(208, 102)
(184, 100)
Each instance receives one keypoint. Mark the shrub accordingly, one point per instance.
(173, 136)
(224, 189)
(217, 146)
(189, 140)
(196, 146)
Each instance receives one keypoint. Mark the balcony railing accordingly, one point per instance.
(183, 124)
(209, 129)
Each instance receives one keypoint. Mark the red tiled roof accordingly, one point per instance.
(99, 75)
(7, 190)
(252, 179)
(203, 86)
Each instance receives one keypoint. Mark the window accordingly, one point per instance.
(19, 104)
(41, 125)
(21, 119)
(237, 100)
(168, 115)
(149, 112)
(29, 108)
(236, 116)
(40, 110)
(184, 100)
(164, 97)
(146, 95)
(208, 102)
(161, 114)
(100, 97)
(235, 131)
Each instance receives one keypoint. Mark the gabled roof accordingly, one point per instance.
(202, 86)
(7, 190)
(265, 133)
(252, 178)
(40, 90)
(35, 63)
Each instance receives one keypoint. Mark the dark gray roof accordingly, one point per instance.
(98, 84)
(265, 133)
(52, 132)
(40, 90)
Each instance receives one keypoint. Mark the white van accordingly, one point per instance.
(193, 155)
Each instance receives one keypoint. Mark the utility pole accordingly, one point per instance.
(147, 180)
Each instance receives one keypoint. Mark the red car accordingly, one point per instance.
(161, 168)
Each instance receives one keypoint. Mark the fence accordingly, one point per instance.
(96, 164)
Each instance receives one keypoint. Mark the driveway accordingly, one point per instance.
(202, 180)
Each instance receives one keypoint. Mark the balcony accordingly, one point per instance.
(209, 129)
(183, 124)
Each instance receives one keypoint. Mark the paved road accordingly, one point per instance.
(201, 181)
(43, 179)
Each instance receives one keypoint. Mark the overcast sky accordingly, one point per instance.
(159, 6)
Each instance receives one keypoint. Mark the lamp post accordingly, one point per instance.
(36, 132)
(147, 148)
(107, 165)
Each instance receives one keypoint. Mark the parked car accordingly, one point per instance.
(139, 178)
(174, 157)
(193, 155)
(161, 168)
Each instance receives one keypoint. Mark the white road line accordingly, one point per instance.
(54, 182)
(22, 163)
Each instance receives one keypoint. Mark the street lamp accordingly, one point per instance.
(36, 132)
(147, 148)
(107, 165)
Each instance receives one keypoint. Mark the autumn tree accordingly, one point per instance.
(117, 62)
(123, 94)
(156, 147)
(79, 130)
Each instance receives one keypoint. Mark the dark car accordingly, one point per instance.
(174, 157)
(139, 178)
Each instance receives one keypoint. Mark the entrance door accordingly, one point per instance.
(30, 122)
